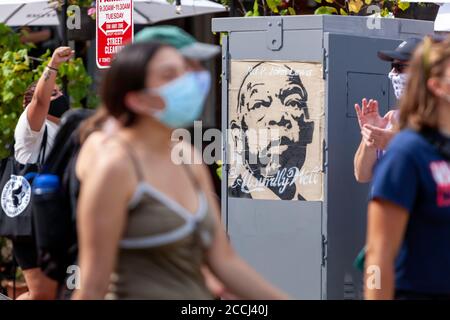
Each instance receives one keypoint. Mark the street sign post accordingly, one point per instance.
(114, 29)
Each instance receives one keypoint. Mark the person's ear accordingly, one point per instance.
(436, 87)
(433, 85)
(143, 103)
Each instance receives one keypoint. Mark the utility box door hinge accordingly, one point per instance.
(274, 33)
(225, 60)
(325, 64)
(324, 250)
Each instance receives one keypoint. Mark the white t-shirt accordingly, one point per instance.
(28, 142)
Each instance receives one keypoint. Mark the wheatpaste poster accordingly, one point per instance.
(275, 138)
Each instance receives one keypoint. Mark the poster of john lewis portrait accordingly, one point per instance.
(275, 137)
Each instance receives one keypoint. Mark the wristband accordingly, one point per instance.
(51, 68)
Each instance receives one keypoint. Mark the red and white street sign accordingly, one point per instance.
(114, 28)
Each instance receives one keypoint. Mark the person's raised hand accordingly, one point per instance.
(368, 113)
(61, 55)
(375, 137)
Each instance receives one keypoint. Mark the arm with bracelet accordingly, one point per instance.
(46, 89)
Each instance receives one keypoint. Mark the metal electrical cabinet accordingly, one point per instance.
(307, 248)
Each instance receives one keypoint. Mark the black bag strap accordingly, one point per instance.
(74, 185)
(43, 148)
(440, 142)
(11, 148)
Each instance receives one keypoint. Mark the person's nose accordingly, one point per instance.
(394, 71)
(56, 94)
(283, 122)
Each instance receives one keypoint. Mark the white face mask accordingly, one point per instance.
(398, 81)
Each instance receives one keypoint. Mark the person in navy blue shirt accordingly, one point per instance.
(408, 233)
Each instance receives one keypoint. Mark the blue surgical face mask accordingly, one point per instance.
(184, 98)
(204, 81)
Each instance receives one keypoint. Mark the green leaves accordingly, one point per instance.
(325, 10)
(222, 34)
(10, 40)
(403, 5)
(355, 6)
(81, 3)
(219, 164)
(78, 81)
(255, 11)
(225, 3)
(256, 8)
(384, 12)
(273, 5)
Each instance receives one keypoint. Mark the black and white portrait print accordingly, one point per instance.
(275, 138)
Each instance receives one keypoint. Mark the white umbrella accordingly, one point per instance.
(442, 22)
(41, 13)
(27, 12)
(152, 11)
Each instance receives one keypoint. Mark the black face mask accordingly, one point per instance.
(59, 106)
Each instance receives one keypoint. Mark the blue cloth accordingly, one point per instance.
(413, 175)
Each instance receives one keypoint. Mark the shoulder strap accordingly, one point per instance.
(133, 158)
(138, 168)
(73, 184)
(43, 148)
(11, 148)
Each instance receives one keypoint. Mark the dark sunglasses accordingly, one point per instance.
(399, 67)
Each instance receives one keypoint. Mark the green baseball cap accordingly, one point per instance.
(180, 39)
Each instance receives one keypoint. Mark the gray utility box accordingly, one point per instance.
(296, 213)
